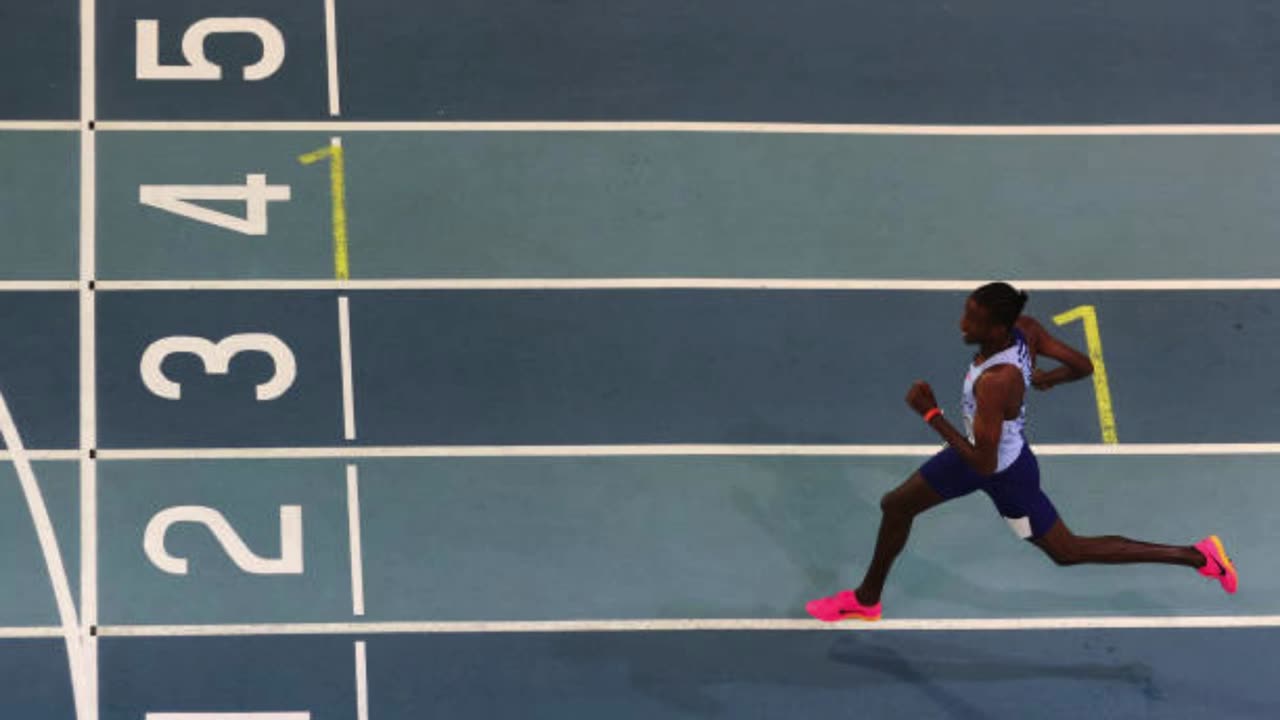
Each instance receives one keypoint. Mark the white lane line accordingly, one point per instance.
(694, 127)
(88, 486)
(41, 285)
(694, 625)
(228, 716)
(331, 53)
(1172, 284)
(353, 529)
(40, 125)
(30, 633)
(348, 384)
(46, 455)
(472, 451)
(87, 703)
(89, 578)
(362, 682)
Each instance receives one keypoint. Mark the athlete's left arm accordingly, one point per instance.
(1075, 364)
(994, 392)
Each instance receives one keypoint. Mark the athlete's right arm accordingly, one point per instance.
(997, 392)
(1075, 364)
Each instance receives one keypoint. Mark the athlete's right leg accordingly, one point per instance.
(942, 477)
(898, 508)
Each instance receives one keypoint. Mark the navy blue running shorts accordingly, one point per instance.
(1015, 490)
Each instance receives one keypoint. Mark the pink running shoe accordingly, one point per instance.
(1217, 564)
(843, 605)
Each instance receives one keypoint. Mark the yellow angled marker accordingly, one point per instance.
(338, 200)
(1101, 390)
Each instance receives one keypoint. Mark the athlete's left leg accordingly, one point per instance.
(1019, 498)
(1032, 515)
(1066, 548)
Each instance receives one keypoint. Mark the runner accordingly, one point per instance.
(996, 458)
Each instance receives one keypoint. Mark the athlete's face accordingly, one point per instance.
(975, 324)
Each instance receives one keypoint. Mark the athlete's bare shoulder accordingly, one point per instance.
(1032, 330)
(1028, 325)
(1043, 343)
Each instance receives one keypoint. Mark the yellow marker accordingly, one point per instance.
(338, 199)
(1101, 390)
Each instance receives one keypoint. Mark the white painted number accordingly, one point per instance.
(198, 67)
(228, 716)
(255, 194)
(289, 562)
(217, 361)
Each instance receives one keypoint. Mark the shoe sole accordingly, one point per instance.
(1222, 553)
(856, 616)
(1224, 560)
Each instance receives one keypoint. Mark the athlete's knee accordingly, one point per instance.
(896, 502)
(889, 502)
(1064, 557)
(1063, 551)
(910, 498)
(900, 502)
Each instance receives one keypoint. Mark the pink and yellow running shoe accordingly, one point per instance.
(1217, 564)
(843, 605)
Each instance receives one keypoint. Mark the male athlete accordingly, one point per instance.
(996, 459)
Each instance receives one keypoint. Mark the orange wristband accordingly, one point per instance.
(929, 416)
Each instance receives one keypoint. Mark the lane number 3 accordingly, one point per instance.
(217, 361)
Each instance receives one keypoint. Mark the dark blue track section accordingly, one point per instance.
(1168, 674)
(39, 366)
(218, 409)
(683, 366)
(915, 61)
(781, 366)
(297, 90)
(37, 683)
(664, 366)
(245, 674)
(39, 60)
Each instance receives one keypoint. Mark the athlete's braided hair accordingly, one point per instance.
(1002, 301)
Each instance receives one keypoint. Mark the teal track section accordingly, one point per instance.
(248, 495)
(39, 205)
(581, 204)
(518, 539)
(26, 597)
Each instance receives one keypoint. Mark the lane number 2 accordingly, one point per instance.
(289, 562)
